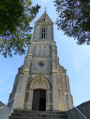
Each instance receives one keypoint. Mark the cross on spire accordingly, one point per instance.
(45, 9)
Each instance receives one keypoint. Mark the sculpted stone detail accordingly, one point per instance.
(40, 82)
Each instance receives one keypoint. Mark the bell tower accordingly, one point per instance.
(43, 30)
(42, 83)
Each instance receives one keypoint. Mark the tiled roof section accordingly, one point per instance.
(45, 18)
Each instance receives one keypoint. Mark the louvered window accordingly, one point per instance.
(43, 35)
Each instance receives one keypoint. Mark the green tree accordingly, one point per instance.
(74, 19)
(15, 18)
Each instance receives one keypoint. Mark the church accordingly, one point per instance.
(41, 83)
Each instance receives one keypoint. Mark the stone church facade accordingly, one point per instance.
(42, 83)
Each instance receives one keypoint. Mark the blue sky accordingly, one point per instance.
(75, 58)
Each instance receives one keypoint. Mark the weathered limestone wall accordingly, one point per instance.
(38, 28)
(36, 69)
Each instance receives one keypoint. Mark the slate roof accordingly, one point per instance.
(45, 18)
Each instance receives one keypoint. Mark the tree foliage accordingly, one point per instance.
(15, 18)
(74, 19)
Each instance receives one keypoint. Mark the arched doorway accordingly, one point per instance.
(39, 100)
(38, 95)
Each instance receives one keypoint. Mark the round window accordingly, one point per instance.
(41, 63)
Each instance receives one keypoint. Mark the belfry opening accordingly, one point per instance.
(39, 100)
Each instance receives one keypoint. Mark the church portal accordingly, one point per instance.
(39, 100)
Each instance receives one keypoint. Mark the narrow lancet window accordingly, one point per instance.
(43, 35)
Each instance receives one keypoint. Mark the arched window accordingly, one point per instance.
(43, 34)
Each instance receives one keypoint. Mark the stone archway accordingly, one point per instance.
(39, 83)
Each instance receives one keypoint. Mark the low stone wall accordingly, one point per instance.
(74, 114)
(84, 108)
(5, 112)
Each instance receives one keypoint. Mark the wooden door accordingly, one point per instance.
(36, 100)
(42, 105)
(39, 100)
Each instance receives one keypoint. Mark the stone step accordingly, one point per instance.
(44, 116)
(26, 117)
(44, 112)
(38, 114)
(25, 114)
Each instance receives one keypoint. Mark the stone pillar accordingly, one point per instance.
(28, 58)
(30, 99)
(19, 102)
(18, 90)
(54, 78)
(55, 91)
(21, 89)
(69, 94)
(48, 103)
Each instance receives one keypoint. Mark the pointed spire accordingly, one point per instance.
(45, 18)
